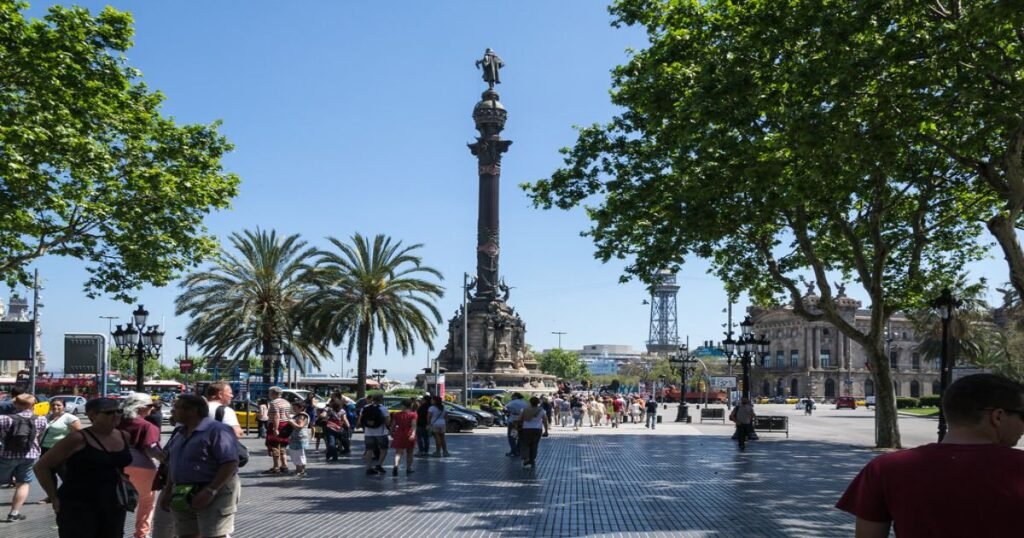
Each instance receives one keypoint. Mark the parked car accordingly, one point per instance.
(300, 395)
(802, 404)
(846, 402)
(483, 418)
(72, 404)
(778, 400)
(457, 418)
(869, 401)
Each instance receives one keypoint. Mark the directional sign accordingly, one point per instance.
(723, 382)
(16, 340)
(84, 353)
(185, 366)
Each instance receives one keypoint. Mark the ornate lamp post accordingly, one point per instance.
(378, 374)
(142, 341)
(946, 305)
(683, 361)
(744, 349)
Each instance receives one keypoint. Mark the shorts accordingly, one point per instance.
(20, 469)
(297, 455)
(376, 442)
(217, 519)
(438, 429)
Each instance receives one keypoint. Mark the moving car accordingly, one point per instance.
(802, 404)
(846, 402)
(300, 395)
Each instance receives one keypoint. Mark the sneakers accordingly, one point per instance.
(15, 517)
(371, 472)
(380, 469)
(447, 454)
(394, 471)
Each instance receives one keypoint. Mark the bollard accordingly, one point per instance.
(689, 419)
(659, 419)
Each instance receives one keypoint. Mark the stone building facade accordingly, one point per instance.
(815, 359)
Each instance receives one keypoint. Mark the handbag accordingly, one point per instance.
(126, 495)
(333, 425)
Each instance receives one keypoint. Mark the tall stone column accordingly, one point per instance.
(489, 116)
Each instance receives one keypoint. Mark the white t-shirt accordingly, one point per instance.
(435, 416)
(516, 408)
(57, 429)
(229, 414)
(535, 423)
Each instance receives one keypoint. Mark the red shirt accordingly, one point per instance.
(141, 433)
(942, 490)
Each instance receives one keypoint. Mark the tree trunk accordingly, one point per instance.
(887, 429)
(1006, 234)
(267, 364)
(364, 350)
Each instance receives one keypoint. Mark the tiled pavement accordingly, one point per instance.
(630, 482)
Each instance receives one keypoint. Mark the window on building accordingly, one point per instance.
(780, 359)
(915, 361)
(869, 388)
(894, 360)
(825, 331)
(937, 363)
(766, 361)
(826, 358)
(794, 359)
(915, 389)
(896, 387)
(936, 387)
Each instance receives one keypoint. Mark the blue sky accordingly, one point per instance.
(354, 116)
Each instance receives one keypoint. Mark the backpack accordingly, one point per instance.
(20, 435)
(372, 416)
(243, 453)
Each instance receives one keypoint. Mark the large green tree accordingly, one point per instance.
(367, 289)
(565, 365)
(754, 135)
(251, 300)
(89, 168)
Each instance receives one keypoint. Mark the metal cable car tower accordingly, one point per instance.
(664, 333)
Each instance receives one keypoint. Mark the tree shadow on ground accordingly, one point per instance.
(584, 485)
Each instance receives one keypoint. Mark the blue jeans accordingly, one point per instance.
(423, 439)
(513, 442)
(332, 444)
(652, 419)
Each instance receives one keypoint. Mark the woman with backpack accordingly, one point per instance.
(436, 417)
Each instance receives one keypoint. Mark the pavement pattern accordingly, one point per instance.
(680, 480)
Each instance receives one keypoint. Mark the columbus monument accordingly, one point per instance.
(497, 356)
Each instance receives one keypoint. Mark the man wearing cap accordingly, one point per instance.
(18, 456)
(514, 409)
(203, 459)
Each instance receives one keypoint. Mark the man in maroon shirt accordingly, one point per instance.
(970, 484)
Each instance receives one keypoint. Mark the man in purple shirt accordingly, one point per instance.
(20, 434)
(203, 455)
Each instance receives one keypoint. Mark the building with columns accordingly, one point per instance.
(815, 359)
(18, 309)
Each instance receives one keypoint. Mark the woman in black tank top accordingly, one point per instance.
(94, 458)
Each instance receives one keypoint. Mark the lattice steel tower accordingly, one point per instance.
(664, 334)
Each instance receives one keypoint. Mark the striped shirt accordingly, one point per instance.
(33, 452)
(280, 410)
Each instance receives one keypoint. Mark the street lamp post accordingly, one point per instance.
(686, 364)
(378, 374)
(744, 349)
(185, 340)
(946, 305)
(144, 342)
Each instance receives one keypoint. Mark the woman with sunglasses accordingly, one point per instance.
(93, 460)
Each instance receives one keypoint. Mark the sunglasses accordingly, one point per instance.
(112, 412)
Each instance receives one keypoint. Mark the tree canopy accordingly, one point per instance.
(565, 365)
(758, 135)
(89, 167)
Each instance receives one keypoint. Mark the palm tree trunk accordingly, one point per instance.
(364, 350)
(266, 361)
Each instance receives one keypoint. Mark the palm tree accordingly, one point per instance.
(366, 289)
(973, 335)
(249, 302)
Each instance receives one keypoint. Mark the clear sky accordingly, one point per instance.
(354, 117)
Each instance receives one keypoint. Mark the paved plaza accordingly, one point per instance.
(680, 480)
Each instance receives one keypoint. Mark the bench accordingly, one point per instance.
(712, 413)
(771, 424)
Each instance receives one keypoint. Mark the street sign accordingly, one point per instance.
(84, 353)
(185, 366)
(708, 352)
(723, 382)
